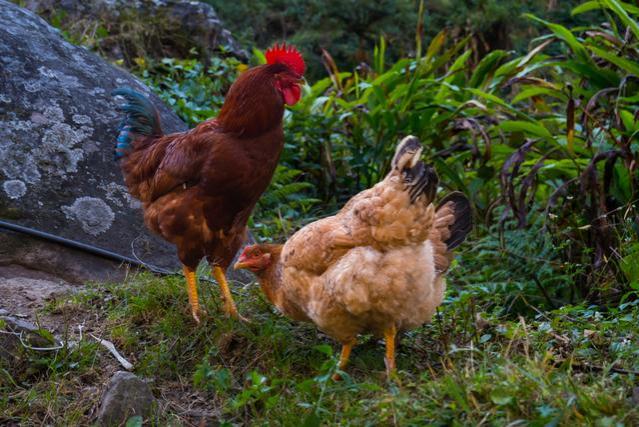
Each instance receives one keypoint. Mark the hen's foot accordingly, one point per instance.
(343, 359)
(389, 360)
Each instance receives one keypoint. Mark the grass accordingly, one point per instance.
(477, 363)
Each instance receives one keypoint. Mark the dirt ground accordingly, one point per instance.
(24, 292)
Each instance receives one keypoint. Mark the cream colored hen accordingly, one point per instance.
(376, 266)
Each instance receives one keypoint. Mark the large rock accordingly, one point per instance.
(126, 396)
(140, 28)
(57, 129)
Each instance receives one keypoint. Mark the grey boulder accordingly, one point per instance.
(140, 28)
(58, 125)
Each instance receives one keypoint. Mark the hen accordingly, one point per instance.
(199, 187)
(375, 267)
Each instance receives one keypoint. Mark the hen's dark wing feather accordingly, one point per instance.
(463, 221)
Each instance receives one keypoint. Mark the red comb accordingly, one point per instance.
(287, 55)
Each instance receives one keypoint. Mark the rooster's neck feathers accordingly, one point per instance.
(253, 105)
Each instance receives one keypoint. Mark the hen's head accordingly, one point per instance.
(420, 179)
(288, 66)
(257, 258)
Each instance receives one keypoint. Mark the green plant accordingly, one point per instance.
(528, 133)
(194, 90)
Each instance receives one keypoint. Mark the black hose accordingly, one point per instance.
(82, 246)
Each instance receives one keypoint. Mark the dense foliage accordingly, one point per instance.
(350, 29)
(544, 143)
(549, 135)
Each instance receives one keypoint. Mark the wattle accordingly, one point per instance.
(292, 94)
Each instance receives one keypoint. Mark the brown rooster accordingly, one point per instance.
(199, 187)
(376, 266)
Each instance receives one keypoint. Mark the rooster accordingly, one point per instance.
(199, 187)
(377, 266)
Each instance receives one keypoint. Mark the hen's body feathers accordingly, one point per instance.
(378, 262)
(377, 265)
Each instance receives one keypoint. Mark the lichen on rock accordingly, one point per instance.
(58, 124)
(94, 214)
(14, 188)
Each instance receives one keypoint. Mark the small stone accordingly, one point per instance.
(21, 333)
(126, 396)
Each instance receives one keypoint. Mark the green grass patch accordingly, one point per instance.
(476, 363)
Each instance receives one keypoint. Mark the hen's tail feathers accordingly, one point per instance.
(420, 179)
(463, 219)
(453, 222)
(141, 118)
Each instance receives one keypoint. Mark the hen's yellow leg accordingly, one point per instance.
(229, 304)
(343, 358)
(191, 290)
(389, 338)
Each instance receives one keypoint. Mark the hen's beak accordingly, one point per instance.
(241, 263)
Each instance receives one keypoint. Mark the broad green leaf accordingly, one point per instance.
(459, 63)
(566, 35)
(601, 78)
(425, 68)
(630, 264)
(135, 421)
(259, 56)
(623, 15)
(586, 7)
(435, 45)
(529, 92)
(526, 127)
(486, 66)
(501, 397)
(324, 348)
(627, 65)
(628, 119)
(451, 174)
(598, 4)
(498, 101)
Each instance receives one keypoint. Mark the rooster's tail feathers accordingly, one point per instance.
(141, 118)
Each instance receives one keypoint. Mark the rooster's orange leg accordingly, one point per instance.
(191, 290)
(389, 338)
(229, 304)
(343, 358)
